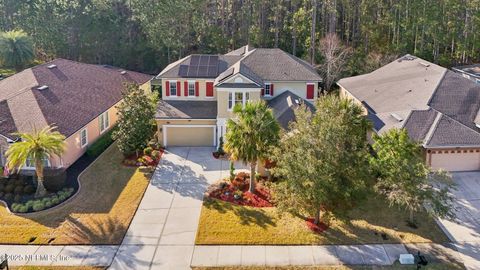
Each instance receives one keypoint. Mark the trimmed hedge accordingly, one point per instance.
(101, 144)
(40, 204)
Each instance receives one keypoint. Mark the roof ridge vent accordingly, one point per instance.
(43, 87)
(424, 64)
(52, 66)
(397, 117)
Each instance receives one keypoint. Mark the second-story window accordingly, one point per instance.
(237, 98)
(191, 89)
(268, 91)
(173, 88)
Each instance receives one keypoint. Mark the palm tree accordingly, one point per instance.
(251, 134)
(16, 49)
(37, 147)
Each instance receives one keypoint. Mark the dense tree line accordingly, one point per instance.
(147, 34)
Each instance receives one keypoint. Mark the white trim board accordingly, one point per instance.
(165, 127)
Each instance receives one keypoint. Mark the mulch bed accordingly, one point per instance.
(236, 192)
(321, 227)
(132, 160)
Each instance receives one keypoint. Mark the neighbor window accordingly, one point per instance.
(29, 164)
(268, 92)
(191, 89)
(173, 88)
(104, 121)
(237, 98)
(83, 138)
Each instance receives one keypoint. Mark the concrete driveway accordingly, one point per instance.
(162, 233)
(464, 232)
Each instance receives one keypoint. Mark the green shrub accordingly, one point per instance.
(19, 182)
(9, 188)
(100, 144)
(17, 198)
(8, 197)
(156, 154)
(29, 189)
(48, 204)
(147, 151)
(2, 194)
(18, 190)
(55, 179)
(29, 204)
(55, 200)
(38, 206)
(2, 187)
(22, 209)
(15, 207)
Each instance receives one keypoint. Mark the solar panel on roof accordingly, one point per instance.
(202, 71)
(195, 60)
(182, 71)
(212, 71)
(213, 60)
(203, 60)
(192, 71)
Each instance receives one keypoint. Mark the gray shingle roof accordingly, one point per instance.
(277, 65)
(440, 106)
(284, 106)
(77, 93)
(186, 109)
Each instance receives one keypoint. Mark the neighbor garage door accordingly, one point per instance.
(177, 135)
(456, 160)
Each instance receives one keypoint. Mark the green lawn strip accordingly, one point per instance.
(372, 222)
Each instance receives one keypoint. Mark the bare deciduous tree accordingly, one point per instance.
(334, 56)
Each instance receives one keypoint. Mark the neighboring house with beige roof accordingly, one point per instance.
(438, 107)
(79, 99)
(199, 92)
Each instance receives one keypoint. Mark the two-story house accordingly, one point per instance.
(200, 91)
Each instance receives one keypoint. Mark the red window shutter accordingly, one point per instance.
(209, 89)
(167, 88)
(179, 89)
(185, 89)
(310, 91)
(197, 89)
(263, 92)
(271, 89)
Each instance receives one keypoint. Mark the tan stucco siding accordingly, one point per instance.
(202, 86)
(298, 88)
(184, 134)
(454, 159)
(73, 150)
(222, 101)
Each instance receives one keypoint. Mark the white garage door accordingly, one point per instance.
(456, 160)
(191, 135)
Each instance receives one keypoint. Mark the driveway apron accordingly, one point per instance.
(162, 233)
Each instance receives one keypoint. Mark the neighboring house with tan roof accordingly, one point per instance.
(200, 91)
(79, 99)
(438, 107)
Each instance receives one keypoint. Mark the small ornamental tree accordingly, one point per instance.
(251, 134)
(135, 120)
(323, 160)
(404, 178)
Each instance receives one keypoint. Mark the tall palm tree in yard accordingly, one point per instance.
(250, 135)
(16, 49)
(37, 147)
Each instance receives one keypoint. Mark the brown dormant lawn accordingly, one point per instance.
(99, 214)
(223, 223)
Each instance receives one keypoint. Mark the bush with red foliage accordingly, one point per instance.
(321, 227)
(146, 160)
(239, 186)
